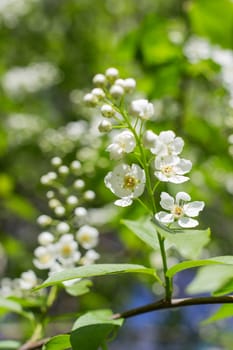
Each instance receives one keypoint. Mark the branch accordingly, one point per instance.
(164, 304)
(34, 345)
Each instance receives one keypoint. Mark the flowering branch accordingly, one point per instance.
(166, 304)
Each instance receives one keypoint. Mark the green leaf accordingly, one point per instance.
(225, 311)
(95, 270)
(210, 278)
(226, 288)
(145, 230)
(59, 342)
(7, 305)
(91, 330)
(205, 15)
(79, 288)
(226, 260)
(9, 344)
(188, 242)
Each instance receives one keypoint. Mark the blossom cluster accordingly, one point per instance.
(147, 151)
(19, 81)
(66, 238)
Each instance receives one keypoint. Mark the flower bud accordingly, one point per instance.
(116, 91)
(99, 93)
(149, 139)
(44, 220)
(99, 80)
(56, 161)
(79, 184)
(63, 170)
(129, 84)
(89, 195)
(59, 211)
(72, 200)
(90, 100)
(75, 165)
(62, 227)
(45, 238)
(107, 111)
(80, 212)
(105, 126)
(112, 74)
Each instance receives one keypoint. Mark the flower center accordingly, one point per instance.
(167, 170)
(66, 250)
(44, 259)
(177, 211)
(130, 182)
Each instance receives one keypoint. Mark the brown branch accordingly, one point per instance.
(34, 345)
(158, 305)
(164, 304)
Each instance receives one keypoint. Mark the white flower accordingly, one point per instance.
(149, 138)
(172, 169)
(62, 227)
(28, 280)
(45, 238)
(90, 257)
(87, 236)
(126, 182)
(112, 73)
(45, 257)
(180, 211)
(44, 220)
(67, 249)
(166, 144)
(122, 143)
(142, 109)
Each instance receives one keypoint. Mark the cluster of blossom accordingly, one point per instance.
(128, 181)
(67, 239)
(197, 49)
(21, 127)
(12, 10)
(18, 287)
(19, 81)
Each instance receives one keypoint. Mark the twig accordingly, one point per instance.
(164, 304)
(34, 345)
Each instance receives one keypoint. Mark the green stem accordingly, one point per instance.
(151, 189)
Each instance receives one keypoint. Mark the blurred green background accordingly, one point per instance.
(181, 54)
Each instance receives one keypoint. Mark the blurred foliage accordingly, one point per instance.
(181, 54)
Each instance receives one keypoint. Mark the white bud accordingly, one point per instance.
(99, 80)
(129, 84)
(53, 203)
(59, 211)
(116, 91)
(120, 82)
(107, 111)
(50, 194)
(112, 74)
(56, 161)
(72, 200)
(75, 165)
(79, 184)
(44, 220)
(45, 238)
(149, 139)
(90, 100)
(44, 180)
(89, 195)
(98, 92)
(62, 227)
(63, 170)
(80, 212)
(105, 126)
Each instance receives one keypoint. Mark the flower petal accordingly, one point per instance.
(164, 217)
(182, 196)
(187, 222)
(167, 201)
(123, 202)
(192, 209)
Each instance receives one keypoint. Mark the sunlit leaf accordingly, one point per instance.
(188, 242)
(98, 324)
(225, 311)
(225, 260)
(79, 288)
(210, 278)
(9, 344)
(95, 270)
(59, 342)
